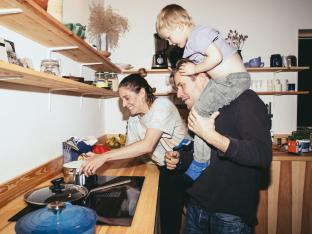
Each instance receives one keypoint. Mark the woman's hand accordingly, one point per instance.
(92, 163)
(172, 158)
(202, 126)
(187, 69)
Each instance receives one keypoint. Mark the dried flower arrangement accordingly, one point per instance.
(235, 39)
(105, 20)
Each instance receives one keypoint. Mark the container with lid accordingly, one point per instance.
(51, 66)
(58, 217)
(101, 80)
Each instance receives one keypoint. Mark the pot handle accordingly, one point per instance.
(57, 185)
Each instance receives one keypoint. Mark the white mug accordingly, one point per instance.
(284, 83)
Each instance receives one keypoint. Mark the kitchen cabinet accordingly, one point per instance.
(36, 24)
(285, 205)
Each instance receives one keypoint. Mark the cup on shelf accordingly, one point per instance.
(277, 86)
(255, 62)
(276, 60)
(270, 86)
(291, 86)
(284, 83)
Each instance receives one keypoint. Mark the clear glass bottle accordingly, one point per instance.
(50, 66)
(114, 82)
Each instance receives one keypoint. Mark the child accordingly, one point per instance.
(209, 53)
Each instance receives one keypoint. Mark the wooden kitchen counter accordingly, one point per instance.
(144, 218)
(285, 204)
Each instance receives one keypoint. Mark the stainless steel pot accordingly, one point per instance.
(71, 173)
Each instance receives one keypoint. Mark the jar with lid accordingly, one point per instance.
(50, 66)
(114, 82)
(101, 80)
(108, 77)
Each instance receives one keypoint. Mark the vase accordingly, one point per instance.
(102, 42)
(240, 53)
(55, 8)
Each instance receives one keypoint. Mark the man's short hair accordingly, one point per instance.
(176, 69)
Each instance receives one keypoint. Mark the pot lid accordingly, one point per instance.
(73, 164)
(58, 217)
(56, 192)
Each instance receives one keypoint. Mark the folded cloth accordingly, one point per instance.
(195, 169)
(83, 147)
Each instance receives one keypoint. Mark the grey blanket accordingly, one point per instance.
(217, 93)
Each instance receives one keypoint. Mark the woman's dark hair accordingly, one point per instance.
(135, 83)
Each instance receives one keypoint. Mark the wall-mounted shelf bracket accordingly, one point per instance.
(87, 64)
(56, 89)
(10, 11)
(61, 48)
(10, 77)
(85, 94)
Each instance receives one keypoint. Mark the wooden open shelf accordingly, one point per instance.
(284, 93)
(11, 73)
(259, 93)
(253, 69)
(37, 25)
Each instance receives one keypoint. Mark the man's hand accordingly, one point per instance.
(172, 158)
(187, 69)
(202, 126)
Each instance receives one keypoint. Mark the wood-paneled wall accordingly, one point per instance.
(286, 206)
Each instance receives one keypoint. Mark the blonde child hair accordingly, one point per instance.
(172, 16)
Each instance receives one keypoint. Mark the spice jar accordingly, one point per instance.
(50, 66)
(101, 80)
(114, 82)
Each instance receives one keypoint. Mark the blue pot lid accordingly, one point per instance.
(58, 217)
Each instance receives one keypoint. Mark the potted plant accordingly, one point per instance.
(237, 40)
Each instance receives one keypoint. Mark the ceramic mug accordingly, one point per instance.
(255, 62)
(276, 60)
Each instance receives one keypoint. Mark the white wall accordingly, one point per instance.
(31, 135)
(272, 27)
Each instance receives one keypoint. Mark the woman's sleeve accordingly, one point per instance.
(163, 117)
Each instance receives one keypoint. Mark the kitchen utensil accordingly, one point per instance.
(291, 61)
(58, 217)
(71, 172)
(160, 60)
(276, 60)
(59, 191)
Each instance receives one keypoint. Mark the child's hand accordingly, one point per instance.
(201, 126)
(187, 69)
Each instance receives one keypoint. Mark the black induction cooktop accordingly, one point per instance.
(114, 206)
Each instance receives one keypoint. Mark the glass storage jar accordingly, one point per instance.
(50, 66)
(101, 80)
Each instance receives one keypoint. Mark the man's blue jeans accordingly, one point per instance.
(200, 221)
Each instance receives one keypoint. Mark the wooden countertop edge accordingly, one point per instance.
(19, 185)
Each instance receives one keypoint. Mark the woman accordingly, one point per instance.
(154, 127)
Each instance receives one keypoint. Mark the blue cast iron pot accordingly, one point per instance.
(58, 217)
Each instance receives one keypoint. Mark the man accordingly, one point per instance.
(224, 198)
